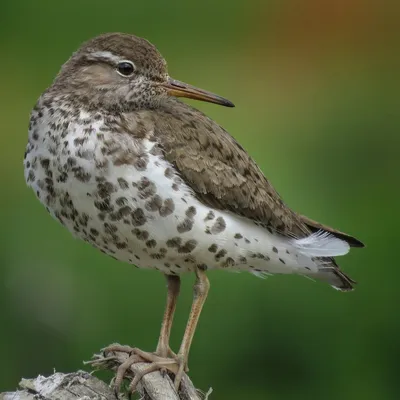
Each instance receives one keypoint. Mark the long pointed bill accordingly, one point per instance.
(180, 89)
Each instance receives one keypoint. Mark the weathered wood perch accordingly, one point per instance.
(83, 385)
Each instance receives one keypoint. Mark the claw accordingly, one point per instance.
(179, 373)
(112, 385)
(163, 364)
(153, 367)
(121, 371)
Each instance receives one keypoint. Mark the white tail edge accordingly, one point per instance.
(321, 244)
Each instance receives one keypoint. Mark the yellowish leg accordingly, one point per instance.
(200, 291)
(174, 284)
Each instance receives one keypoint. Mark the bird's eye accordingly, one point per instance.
(125, 68)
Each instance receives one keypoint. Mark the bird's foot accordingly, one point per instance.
(170, 362)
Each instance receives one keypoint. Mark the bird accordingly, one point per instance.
(119, 160)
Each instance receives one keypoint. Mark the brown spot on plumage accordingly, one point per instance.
(31, 176)
(121, 201)
(124, 211)
(85, 154)
(154, 204)
(219, 226)
(191, 212)
(81, 174)
(94, 232)
(140, 234)
(185, 226)
(146, 188)
(169, 173)
(104, 189)
(188, 246)
(151, 243)
(123, 183)
(138, 217)
(121, 245)
(213, 248)
(174, 242)
(157, 256)
(71, 162)
(141, 163)
(80, 141)
(104, 205)
(167, 208)
(220, 254)
(229, 262)
(210, 216)
(45, 163)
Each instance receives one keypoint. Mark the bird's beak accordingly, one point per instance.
(180, 89)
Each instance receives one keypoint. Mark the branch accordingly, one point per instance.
(83, 385)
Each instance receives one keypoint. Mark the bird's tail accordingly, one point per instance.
(330, 272)
(321, 247)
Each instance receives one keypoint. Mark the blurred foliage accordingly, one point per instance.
(316, 88)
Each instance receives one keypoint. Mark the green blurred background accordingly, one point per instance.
(316, 88)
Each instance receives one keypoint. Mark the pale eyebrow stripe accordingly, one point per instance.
(105, 55)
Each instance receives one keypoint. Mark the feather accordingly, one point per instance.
(321, 244)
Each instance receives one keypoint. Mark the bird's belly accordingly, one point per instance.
(134, 212)
(144, 214)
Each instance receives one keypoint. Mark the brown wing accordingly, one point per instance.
(218, 169)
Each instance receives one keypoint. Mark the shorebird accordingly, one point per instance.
(149, 180)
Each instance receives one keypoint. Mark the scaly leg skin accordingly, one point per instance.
(164, 357)
(200, 291)
(163, 349)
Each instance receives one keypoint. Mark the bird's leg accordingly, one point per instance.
(200, 291)
(163, 358)
(163, 349)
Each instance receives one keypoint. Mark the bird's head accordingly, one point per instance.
(124, 70)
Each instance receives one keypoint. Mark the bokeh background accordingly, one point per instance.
(316, 88)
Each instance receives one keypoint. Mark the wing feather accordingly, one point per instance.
(219, 170)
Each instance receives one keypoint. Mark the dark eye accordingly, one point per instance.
(125, 68)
